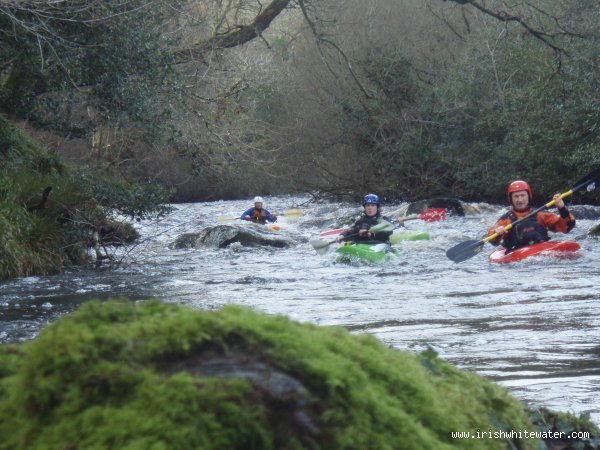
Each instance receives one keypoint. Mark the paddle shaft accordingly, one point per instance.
(429, 215)
(288, 212)
(384, 226)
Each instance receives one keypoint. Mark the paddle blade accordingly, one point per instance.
(465, 250)
(292, 212)
(588, 182)
(222, 219)
(433, 215)
(321, 246)
(383, 226)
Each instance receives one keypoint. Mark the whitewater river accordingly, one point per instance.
(532, 326)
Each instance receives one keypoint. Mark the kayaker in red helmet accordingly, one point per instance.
(371, 217)
(535, 228)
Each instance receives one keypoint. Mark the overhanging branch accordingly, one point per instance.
(241, 35)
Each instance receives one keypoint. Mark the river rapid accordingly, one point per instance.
(532, 326)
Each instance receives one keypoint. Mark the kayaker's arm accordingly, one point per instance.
(247, 215)
(499, 229)
(271, 217)
(562, 223)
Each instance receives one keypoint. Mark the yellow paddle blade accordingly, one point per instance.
(292, 212)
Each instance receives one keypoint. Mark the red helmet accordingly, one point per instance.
(517, 186)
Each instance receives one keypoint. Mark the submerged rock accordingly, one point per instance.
(152, 375)
(221, 236)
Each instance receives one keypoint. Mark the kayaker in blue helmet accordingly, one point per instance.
(535, 229)
(372, 216)
(258, 214)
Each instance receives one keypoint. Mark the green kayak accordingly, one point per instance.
(375, 252)
(408, 235)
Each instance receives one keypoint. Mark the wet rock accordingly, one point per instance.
(186, 240)
(250, 235)
(147, 374)
(594, 231)
(452, 206)
(585, 212)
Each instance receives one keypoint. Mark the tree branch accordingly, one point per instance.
(504, 16)
(241, 35)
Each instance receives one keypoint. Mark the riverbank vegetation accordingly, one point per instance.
(148, 374)
(50, 215)
(410, 99)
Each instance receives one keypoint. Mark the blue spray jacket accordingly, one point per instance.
(258, 215)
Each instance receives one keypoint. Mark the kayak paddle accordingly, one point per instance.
(429, 215)
(287, 212)
(468, 249)
(321, 245)
(333, 232)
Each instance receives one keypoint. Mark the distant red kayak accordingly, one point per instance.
(556, 249)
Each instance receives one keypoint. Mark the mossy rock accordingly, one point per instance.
(150, 375)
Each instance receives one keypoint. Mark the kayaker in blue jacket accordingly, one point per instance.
(258, 214)
(372, 216)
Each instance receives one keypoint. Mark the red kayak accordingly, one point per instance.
(564, 249)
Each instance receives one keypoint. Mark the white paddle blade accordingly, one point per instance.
(321, 246)
(383, 226)
(222, 219)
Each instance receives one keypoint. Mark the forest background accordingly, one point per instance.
(223, 99)
(138, 102)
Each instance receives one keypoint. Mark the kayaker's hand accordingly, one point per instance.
(274, 216)
(248, 217)
(339, 238)
(400, 221)
(364, 232)
(558, 201)
(500, 231)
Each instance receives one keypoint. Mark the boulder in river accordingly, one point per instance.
(221, 236)
(125, 374)
(584, 212)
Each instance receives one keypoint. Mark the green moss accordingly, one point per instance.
(125, 375)
(42, 234)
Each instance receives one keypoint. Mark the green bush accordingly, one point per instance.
(42, 236)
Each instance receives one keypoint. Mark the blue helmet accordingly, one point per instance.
(371, 198)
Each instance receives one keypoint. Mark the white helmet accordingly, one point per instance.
(258, 200)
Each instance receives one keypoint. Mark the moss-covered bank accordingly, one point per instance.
(155, 376)
(48, 213)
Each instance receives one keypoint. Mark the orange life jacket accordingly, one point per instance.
(259, 216)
